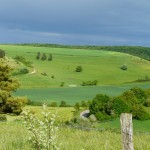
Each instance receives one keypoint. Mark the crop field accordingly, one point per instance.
(75, 94)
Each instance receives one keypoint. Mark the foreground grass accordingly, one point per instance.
(14, 137)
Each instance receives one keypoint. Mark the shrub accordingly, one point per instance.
(42, 132)
(53, 104)
(50, 58)
(44, 73)
(124, 67)
(140, 95)
(44, 57)
(21, 71)
(89, 83)
(63, 104)
(2, 53)
(14, 105)
(99, 103)
(62, 84)
(140, 113)
(24, 61)
(102, 116)
(38, 56)
(78, 69)
(147, 103)
(120, 106)
(3, 117)
(77, 107)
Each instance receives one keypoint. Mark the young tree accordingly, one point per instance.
(44, 57)
(2, 53)
(50, 58)
(9, 104)
(38, 56)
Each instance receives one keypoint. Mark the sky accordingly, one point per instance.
(75, 22)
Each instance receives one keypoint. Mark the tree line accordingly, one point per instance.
(139, 51)
(44, 56)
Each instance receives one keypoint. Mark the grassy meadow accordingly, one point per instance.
(103, 66)
(14, 135)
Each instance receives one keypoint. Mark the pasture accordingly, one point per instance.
(13, 133)
(103, 66)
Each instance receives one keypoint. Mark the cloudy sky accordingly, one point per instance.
(75, 22)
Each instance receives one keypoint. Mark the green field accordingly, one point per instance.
(103, 66)
(75, 94)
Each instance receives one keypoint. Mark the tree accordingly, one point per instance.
(78, 69)
(2, 53)
(8, 103)
(38, 56)
(50, 58)
(44, 57)
(63, 104)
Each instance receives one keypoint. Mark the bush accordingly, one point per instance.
(120, 106)
(62, 84)
(140, 113)
(92, 118)
(53, 104)
(102, 116)
(2, 53)
(42, 131)
(89, 83)
(147, 103)
(140, 95)
(3, 117)
(63, 104)
(78, 69)
(124, 67)
(99, 103)
(20, 71)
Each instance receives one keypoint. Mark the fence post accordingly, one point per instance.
(126, 131)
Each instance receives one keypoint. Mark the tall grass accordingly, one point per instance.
(14, 137)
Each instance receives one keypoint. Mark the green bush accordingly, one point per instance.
(3, 117)
(89, 83)
(140, 113)
(2, 53)
(78, 69)
(63, 104)
(62, 84)
(20, 71)
(120, 106)
(102, 116)
(53, 104)
(124, 67)
(147, 103)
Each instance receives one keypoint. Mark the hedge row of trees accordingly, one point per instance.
(131, 101)
(44, 57)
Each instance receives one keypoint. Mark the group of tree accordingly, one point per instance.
(132, 101)
(44, 56)
(8, 85)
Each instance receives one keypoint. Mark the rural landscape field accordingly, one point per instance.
(67, 79)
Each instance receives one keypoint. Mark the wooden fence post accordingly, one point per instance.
(126, 131)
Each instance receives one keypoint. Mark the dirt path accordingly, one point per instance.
(34, 71)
